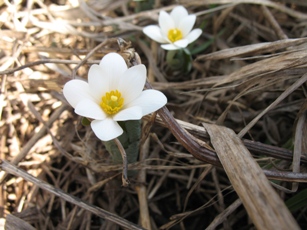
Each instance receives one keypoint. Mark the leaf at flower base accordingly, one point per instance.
(113, 150)
(298, 201)
(85, 121)
(129, 140)
(134, 130)
(179, 60)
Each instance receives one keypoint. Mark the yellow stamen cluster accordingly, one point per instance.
(174, 35)
(112, 102)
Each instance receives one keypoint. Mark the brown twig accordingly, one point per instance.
(256, 148)
(206, 155)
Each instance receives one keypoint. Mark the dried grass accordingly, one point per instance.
(249, 75)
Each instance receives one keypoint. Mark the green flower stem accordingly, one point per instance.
(179, 60)
(125, 179)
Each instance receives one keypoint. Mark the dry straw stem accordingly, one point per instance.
(267, 3)
(253, 49)
(141, 189)
(262, 203)
(223, 215)
(10, 168)
(286, 93)
(34, 139)
(125, 181)
(286, 63)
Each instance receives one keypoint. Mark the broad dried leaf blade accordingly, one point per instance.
(13, 222)
(264, 206)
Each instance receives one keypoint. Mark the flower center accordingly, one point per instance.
(112, 102)
(174, 35)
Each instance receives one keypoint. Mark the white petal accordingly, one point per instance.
(106, 129)
(170, 47)
(98, 82)
(132, 83)
(193, 35)
(113, 65)
(182, 43)
(154, 32)
(150, 100)
(166, 23)
(76, 91)
(90, 109)
(131, 113)
(186, 24)
(178, 13)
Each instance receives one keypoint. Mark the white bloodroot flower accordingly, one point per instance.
(113, 93)
(174, 29)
